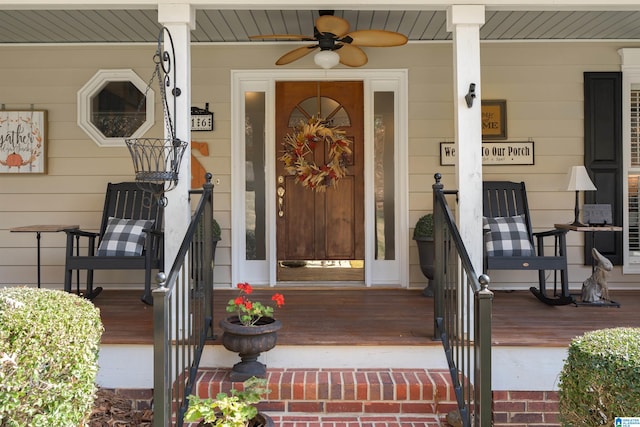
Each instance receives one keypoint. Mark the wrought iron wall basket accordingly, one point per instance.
(156, 160)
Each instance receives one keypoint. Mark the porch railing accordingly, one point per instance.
(182, 315)
(462, 315)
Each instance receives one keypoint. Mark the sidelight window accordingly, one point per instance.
(384, 173)
(255, 208)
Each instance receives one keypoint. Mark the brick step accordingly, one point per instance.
(357, 421)
(357, 394)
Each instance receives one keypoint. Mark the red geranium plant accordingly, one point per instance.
(249, 312)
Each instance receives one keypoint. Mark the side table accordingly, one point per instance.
(593, 230)
(39, 229)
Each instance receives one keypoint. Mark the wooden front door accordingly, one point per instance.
(323, 228)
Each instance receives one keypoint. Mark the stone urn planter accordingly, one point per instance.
(423, 235)
(249, 342)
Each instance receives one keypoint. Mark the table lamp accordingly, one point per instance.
(578, 180)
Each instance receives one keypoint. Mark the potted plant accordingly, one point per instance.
(231, 410)
(251, 331)
(423, 235)
(217, 233)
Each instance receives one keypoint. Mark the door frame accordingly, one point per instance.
(376, 272)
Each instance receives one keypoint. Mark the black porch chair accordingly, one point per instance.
(509, 240)
(130, 238)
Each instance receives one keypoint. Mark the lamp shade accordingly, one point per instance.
(578, 180)
(326, 59)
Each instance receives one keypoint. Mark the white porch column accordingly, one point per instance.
(464, 21)
(179, 19)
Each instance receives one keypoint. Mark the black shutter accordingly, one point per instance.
(603, 156)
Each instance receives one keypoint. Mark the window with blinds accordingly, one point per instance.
(633, 176)
(634, 217)
(635, 126)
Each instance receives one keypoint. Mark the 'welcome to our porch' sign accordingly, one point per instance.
(493, 153)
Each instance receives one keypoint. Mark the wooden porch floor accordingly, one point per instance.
(382, 317)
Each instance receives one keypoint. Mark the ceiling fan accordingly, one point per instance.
(336, 43)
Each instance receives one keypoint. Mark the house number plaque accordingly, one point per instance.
(201, 120)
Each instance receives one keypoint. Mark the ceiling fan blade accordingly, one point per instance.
(295, 54)
(352, 56)
(376, 38)
(332, 24)
(283, 37)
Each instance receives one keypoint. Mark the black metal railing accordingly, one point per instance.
(462, 314)
(183, 315)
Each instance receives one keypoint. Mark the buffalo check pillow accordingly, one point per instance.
(124, 237)
(506, 236)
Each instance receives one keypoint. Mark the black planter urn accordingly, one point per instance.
(426, 255)
(249, 342)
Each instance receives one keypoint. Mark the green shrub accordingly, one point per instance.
(424, 227)
(216, 230)
(49, 343)
(600, 379)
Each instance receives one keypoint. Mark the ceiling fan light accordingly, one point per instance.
(326, 59)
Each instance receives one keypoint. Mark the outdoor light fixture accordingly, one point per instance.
(578, 180)
(326, 59)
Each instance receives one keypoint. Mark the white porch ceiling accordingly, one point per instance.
(140, 25)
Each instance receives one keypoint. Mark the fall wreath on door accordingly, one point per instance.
(299, 147)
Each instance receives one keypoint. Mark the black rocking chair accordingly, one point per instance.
(509, 240)
(130, 238)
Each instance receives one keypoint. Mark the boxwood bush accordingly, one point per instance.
(424, 227)
(49, 343)
(600, 379)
